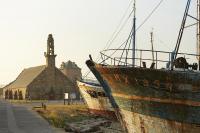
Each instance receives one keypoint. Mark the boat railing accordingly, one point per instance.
(156, 59)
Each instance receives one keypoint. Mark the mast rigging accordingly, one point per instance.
(180, 33)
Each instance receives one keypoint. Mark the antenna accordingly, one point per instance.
(152, 42)
(134, 33)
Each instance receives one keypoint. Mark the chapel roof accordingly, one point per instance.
(26, 77)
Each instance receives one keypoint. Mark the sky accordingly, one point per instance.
(80, 28)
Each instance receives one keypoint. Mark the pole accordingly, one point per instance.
(152, 46)
(134, 33)
(198, 31)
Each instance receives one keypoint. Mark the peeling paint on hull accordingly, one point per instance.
(97, 105)
(138, 123)
(154, 101)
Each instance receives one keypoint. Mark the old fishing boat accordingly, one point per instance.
(96, 98)
(153, 99)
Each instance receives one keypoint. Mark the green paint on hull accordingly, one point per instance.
(174, 112)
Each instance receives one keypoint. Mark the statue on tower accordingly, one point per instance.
(50, 45)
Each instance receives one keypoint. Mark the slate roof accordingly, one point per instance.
(26, 77)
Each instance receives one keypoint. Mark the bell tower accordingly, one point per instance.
(50, 56)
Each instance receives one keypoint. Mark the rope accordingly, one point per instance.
(147, 18)
(115, 33)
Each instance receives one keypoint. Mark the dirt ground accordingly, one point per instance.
(77, 119)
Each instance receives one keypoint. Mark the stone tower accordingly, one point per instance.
(71, 70)
(50, 61)
(73, 73)
(50, 56)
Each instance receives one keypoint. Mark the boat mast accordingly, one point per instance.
(134, 33)
(198, 31)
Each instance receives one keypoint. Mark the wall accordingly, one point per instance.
(49, 85)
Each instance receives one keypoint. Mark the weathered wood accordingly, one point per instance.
(98, 125)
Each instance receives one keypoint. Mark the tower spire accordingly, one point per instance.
(50, 56)
(50, 45)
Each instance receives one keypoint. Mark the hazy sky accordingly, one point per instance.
(80, 28)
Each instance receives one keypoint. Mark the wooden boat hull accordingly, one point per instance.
(138, 123)
(97, 104)
(154, 101)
